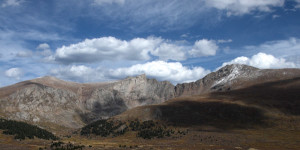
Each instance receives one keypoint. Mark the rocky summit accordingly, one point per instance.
(231, 77)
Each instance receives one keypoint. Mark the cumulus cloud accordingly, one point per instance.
(7, 3)
(43, 46)
(14, 73)
(111, 48)
(263, 61)
(44, 49)
(78, 73)
(241, 7)
(106, 48)
(174, 72)
(204, 47)
(169, 51)
(161, 70)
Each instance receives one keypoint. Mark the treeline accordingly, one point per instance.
(150, 129)
(104, 128)
(146, 129)
(64, 146)
(21, 130)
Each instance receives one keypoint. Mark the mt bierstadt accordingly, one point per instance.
(73, 105)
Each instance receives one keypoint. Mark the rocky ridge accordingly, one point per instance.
(71, 104)
(232, 77)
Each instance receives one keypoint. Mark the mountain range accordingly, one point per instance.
(48, 100)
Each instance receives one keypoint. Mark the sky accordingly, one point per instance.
(175, 40)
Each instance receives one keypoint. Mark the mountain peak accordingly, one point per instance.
(48, 78)
(235, 67)
(141, 76)
(233, 71)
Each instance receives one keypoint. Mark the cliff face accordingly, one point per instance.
(131, 92)
(71, 104)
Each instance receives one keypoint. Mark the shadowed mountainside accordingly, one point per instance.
(242, 108)
(283, 96)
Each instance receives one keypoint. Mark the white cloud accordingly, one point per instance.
(106, 48)
(79, 73)
(204, 47)
(174, 72)
(169, 51)
(241, 7)
(11, 3)
(224, 41)
(44, 49)
(101, 2)
(263, 61)
(14, 73)
(185, 35)
(43, 46)
(137, 49)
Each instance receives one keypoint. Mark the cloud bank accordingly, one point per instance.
(174, 72)
(262, 61)
(113, 49)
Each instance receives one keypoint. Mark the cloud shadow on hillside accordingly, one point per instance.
(217, 114)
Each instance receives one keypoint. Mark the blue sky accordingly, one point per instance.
(175, 40)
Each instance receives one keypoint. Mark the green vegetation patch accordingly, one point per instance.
(104, 128)
(146, 129)
(63, 146)
(21, 130)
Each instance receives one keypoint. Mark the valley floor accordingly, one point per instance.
(248, 139)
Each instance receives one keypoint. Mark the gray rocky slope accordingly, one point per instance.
(70, 104)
